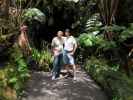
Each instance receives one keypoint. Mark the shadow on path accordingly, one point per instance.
(41, 87)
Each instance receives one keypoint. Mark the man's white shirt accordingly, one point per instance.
(69, 43)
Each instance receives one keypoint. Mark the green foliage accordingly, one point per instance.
(92, 38)
(89, 40)
(113, 28)
(93, 24)
(118, 85)
(15, 74)
(120, 33)
(106, 45)
(3, 78)
(127, 33)
(19, 73)
(3, 82)
(99, 66)
(34, 14)
(107, 71)
(43, 58)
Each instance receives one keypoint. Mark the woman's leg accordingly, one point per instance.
(60, 58)
(55, 67)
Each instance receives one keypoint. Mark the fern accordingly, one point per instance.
(93, 24)
(34, 14)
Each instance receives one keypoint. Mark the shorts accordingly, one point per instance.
(67, 58)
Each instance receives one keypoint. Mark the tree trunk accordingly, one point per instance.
(4, 8)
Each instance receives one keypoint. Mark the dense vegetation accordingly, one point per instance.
(108, 61)
(103, 28)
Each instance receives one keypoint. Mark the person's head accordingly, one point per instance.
(24, 27)
(24, 23)
(59, 33)
(67, 32)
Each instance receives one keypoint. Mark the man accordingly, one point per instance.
(57, 48)
(70, 46)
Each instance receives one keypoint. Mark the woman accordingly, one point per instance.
(23, 41)
(57, 48)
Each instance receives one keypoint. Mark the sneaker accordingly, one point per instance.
(74, 78)
(53, 77)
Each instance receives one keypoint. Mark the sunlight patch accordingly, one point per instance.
(73, 0)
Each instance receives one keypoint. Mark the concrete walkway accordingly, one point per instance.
(41, 87)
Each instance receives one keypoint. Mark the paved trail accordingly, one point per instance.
(41, 87)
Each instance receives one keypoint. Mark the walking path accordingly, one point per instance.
(41, 87)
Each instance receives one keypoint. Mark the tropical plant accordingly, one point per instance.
(42, 58)
(117, 85)
(14, 75)
(90, 40)
(127, 33)
(34, 14)
(93, 24)
(20, 73)
(87, 40)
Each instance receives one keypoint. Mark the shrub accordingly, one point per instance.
(127, 33)
(20, 72)
(93, 24)
(42, 58)
(118, 85)
(34, 14)
(14, 75)
(90, 40)
(87, 40)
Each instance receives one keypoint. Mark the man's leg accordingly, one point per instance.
(72, 62)
(66, 62)
(74, 71)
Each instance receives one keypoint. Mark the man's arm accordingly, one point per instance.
(74, 46)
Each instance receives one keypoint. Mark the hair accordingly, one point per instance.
(59, 31)
(67, 30)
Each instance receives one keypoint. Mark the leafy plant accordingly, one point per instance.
(20, 72)
(43, 58)
(87, 40)
(15, 72)
(93, 24)
(127, 33)
(117, 84)
(34, 14)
